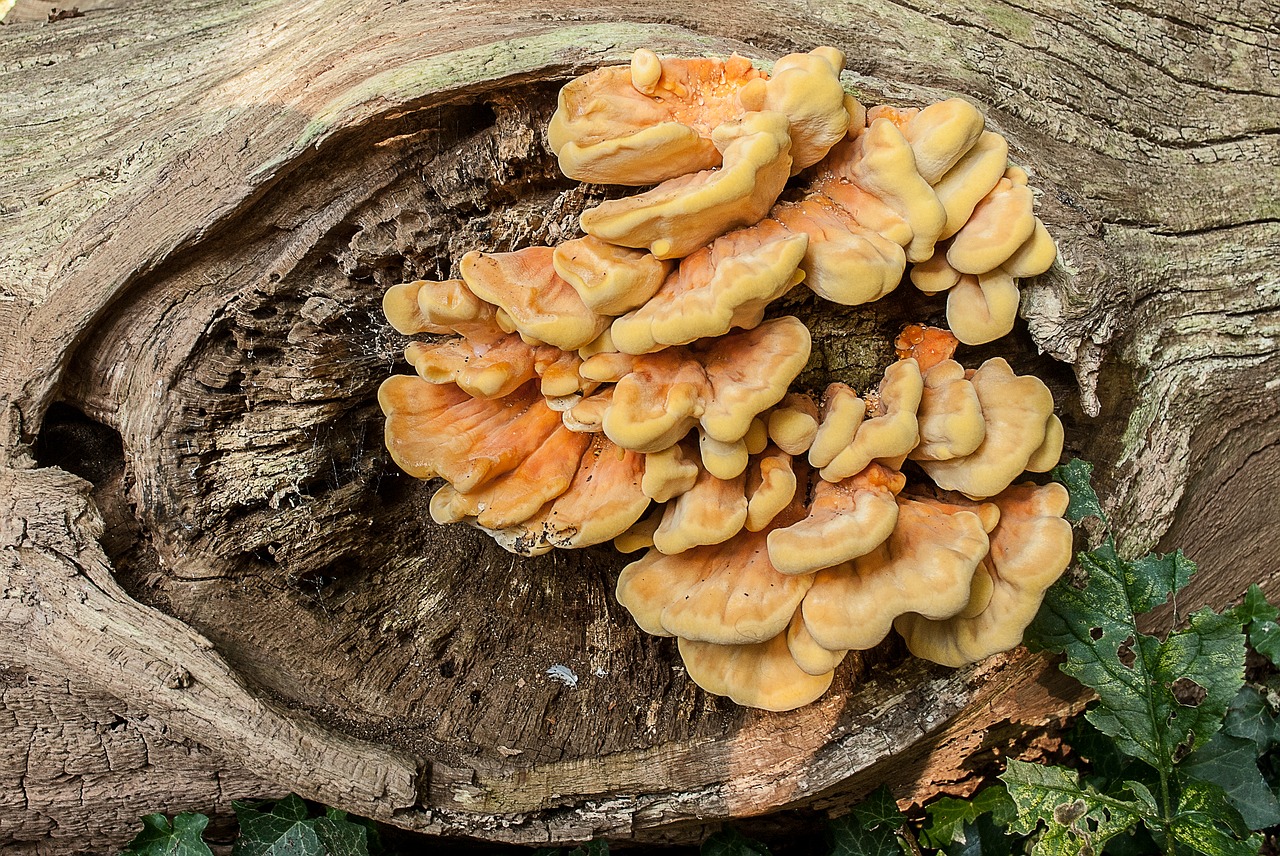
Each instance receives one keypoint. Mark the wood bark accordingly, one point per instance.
(215, 585)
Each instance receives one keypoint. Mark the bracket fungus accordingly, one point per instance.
(633, 385)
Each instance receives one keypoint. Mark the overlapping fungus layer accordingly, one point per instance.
(625, 387)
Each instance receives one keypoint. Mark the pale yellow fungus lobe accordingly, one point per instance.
(1030, 548)
(983, 308)
(1017, 412)
(950, 415)
(609, 279)
(892, 433)
(925, 566)
(445, 308)
(763, 675)
(793, 424)
(725, 285)
(601, 502)
(727, 593)
(846, 519)
(686, 213)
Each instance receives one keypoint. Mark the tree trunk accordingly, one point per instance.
(214, 584)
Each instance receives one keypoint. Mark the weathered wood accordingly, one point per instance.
(201, 207)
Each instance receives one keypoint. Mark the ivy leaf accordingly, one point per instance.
(286, 830)
(1135, 674)
(159, 837)
(1075, 817)
(871, 829)
(951, 820)
(1231, 763)
(1250, 717)
(1075, 475)
(879, 809)
(600, 847)
(729, 842)
(1255, 608)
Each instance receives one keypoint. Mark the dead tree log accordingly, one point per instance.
(214, 584)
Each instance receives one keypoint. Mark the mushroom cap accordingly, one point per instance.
(1000, 223)
(719, 287)
(941, 134)
(726, 593)
(749, 372)
(1017, 413)
(950, 415)
(793, 424)
(972, 178)
(516, 495)
(983, 308)
(811, 657)
(484, 370)
(762, 676)
(647, 122)
(925, 566)
(1035, 256)
(540, 305)
(443, 308)
(883, 164)
(601, 502)
(888, 437)
(934, 275)
(669, 473)
(846, 519)
(770, 488)
(682, 214)
(712, 511)
(806, 89)
(1030, 548)
(845, 261)
(723, 460)
(439, 430)
(609, 279)
(842, 412)
(721, 383)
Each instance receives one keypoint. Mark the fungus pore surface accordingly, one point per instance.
(638, 385)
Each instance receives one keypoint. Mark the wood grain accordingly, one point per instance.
(202, 206)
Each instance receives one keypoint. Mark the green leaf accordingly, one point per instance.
(1264, 636)
(879, 809)
(1231, 763)
(1138, 708)
(950, 819)
(731, 842)
(1250, 717)
(1199, 832)
(1255, 607)
(182, 837)
(850, 838)
(600, 847)
(1075, 475)
(1107, 764)
(1207, 798)
(1074, 817)
(286, 830)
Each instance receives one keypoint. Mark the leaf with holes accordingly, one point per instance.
(1074, 817)
(1135, 674)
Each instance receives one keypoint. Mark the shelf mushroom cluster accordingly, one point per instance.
(626, 386)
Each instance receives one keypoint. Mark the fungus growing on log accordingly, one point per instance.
(626, 386)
